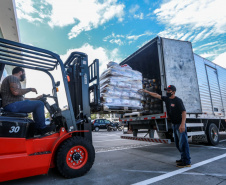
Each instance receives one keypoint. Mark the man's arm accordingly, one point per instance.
(155, 95)
(182, 125)
(17, 91)
(37, 98)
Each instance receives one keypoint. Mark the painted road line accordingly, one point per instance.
(186, 173)
(176, 172)
(209, 147)
(107, 140)
(123, 148)
(215, 147)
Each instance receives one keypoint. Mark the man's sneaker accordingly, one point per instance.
(178, 161)
(183, 165)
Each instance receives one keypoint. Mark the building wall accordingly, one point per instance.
(8, 28)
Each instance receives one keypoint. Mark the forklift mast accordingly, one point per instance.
(84, 79)
(83, 82)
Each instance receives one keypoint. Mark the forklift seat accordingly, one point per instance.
(10, 114)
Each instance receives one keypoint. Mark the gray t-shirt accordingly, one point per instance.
(7, 96)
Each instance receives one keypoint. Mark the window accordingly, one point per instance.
(107, 122)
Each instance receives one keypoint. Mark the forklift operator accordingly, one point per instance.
(14, 101)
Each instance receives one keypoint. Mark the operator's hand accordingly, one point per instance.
(39, 97)
(34, 90)
(182, 128)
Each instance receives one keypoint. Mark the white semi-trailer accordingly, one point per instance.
(200, 83)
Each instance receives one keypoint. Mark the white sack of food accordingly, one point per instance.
(119, 86)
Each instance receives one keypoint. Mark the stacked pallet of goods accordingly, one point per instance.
(151, 105)
(119, 87)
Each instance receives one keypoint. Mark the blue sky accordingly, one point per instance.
(111, 30)
(114, 29)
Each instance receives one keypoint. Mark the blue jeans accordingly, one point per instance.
(181, 141)
(28, 106)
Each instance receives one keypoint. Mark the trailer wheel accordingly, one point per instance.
(169, 135)
(75, 157)
(212, 133)
(135, 131)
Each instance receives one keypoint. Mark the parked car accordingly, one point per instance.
(98, 124)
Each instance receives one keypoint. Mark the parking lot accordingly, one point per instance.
(120, 161)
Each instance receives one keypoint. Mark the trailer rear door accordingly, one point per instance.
(180, 71)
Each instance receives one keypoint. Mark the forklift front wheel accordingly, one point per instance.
(75, 157)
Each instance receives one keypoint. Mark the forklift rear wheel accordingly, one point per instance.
(75, 157)
(97, 129)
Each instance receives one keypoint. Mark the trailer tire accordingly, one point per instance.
(170, 135)
(75, 157)
(212, 133)
(135, 131)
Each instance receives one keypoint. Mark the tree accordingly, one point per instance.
(47, 115)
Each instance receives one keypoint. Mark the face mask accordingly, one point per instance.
(169, 94)
(22, 77)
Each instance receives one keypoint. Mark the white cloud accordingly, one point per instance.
(208, 54)
(135, 37)
(139, 16)
(208, 45)
(116, 41)
(83, 15)
(193, 16)
(186, 36)
(221, 60)
(204, 13)
(200, 35)
(133, 10)
(100, 53)
(124, 39)
(172, 33)
(25, 10)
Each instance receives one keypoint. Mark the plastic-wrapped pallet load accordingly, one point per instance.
(119, 86)
(151, 105)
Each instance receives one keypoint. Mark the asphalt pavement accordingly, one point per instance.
(121, 162)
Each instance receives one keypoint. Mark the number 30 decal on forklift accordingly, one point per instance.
(14, 129)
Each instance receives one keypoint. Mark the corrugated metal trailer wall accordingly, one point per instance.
(222, 82)
(212, 87)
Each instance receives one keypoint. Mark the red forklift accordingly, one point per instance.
(69, 148)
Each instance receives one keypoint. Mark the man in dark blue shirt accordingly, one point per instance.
(177, 114)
